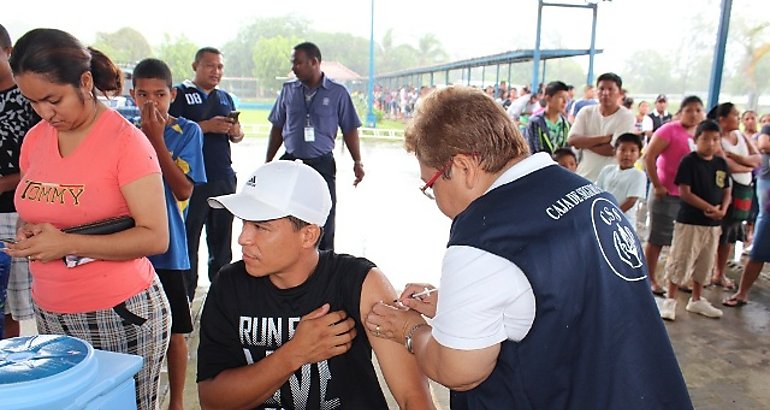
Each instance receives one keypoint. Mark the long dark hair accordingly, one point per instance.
(61, 58)
(720, 111)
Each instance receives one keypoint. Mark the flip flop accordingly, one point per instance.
(732, 301)
(724, 283)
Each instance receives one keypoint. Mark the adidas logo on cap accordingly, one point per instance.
(252, 182)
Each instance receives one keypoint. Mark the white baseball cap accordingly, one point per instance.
(277, 190)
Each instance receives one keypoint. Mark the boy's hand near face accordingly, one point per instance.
(153, 123)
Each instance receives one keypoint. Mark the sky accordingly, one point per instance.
(466, 29)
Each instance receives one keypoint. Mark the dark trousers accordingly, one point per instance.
(325, 166)
(219, 230)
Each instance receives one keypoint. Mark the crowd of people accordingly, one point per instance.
(294, 324)
(638, 157)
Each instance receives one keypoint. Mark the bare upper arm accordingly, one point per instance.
(462, 370)
(147, 202)
(402, 373)
(655, 147)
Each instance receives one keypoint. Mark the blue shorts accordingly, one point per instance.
(760, 248)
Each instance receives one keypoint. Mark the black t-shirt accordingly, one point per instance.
(16, 118)
(196, 105)
(707, 179)
(245, 318)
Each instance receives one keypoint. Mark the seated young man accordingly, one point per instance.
(282, 328)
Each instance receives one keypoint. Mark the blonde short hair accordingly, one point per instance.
(463, 120)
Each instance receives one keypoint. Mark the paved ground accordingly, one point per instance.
(726, 362)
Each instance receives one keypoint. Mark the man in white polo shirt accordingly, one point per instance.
(597, 126)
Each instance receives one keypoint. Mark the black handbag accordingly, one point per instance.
(103, 227)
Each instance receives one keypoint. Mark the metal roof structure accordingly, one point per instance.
(537, 54)
(508, 57)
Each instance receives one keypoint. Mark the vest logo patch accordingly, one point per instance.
(617, 241)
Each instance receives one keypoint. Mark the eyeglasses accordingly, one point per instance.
(427, 189)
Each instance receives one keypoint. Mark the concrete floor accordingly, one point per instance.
(726, 361)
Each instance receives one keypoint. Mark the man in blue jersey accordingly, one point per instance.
(202, 101)
(305, 120)
(543, 299)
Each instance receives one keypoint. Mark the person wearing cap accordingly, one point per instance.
(542, 302)
(282, 328)
(660, 116)
(305, 120)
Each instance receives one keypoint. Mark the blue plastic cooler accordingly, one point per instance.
(62, 372)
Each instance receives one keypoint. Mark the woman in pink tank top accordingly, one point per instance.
(669, 144)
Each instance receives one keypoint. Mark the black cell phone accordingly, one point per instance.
(234, 115)
(8, 240)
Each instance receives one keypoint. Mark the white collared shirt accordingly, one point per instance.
(484, 298)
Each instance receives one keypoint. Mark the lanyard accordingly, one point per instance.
(308, 100)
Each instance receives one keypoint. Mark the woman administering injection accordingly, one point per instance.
(515, 329)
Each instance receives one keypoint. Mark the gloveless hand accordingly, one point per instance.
(321, 335)
(45, 244)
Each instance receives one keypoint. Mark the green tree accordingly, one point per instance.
(430, 50)
(238, 53)
(649, 71)
(750, 42)
(566, 70)
(350, 50)
(392, 57)
(270, 58)
(179, 54)
(694, 55)
(125, 46)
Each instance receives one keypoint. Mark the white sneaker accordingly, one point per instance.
(703, 307)
(667, 309)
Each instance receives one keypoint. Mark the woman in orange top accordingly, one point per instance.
(85, 163)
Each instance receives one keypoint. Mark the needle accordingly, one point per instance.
(426, 292)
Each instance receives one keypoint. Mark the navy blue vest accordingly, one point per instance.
(597, 340)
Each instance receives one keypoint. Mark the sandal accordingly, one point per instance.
(725, 283)
(658, 291)
(733, 301)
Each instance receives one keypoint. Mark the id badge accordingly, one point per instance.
(309, 134)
